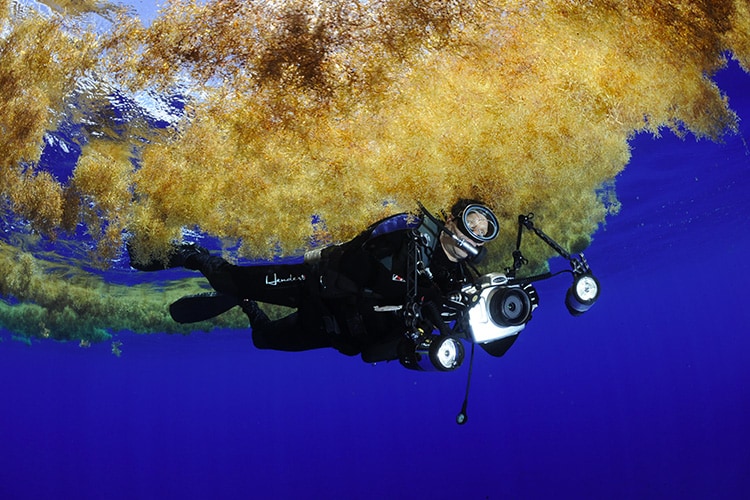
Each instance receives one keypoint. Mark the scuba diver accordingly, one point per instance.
(404, 289)
(379, 295)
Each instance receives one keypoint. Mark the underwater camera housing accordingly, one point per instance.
(491, 310)
(497, 308)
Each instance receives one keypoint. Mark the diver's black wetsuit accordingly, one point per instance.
(349, 296)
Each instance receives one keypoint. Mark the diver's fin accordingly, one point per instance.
(194, 308)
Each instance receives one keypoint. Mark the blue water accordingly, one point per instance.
(645, 396)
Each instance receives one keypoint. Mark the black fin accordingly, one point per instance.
(194, 308)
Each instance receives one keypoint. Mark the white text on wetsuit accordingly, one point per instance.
(275, 280)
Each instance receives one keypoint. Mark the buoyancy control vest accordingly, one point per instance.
(370, 271)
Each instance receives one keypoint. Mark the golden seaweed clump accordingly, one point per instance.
(99, 195)
(348, 110)
(39, 65)
(305, 121)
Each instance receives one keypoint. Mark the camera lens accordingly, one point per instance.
(509, 306)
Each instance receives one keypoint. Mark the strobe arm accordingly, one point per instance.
(579, 264)
(527, 222)
(585, 289)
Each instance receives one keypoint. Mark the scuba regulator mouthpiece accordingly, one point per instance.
(464, 245)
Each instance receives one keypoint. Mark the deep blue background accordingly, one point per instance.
(645, 396)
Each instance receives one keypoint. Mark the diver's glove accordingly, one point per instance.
(182, 255)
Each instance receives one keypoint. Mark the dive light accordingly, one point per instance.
(582, 294)
(432, 352)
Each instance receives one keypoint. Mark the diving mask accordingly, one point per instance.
(478, 223)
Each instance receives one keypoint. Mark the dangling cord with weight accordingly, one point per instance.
(462, 417)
